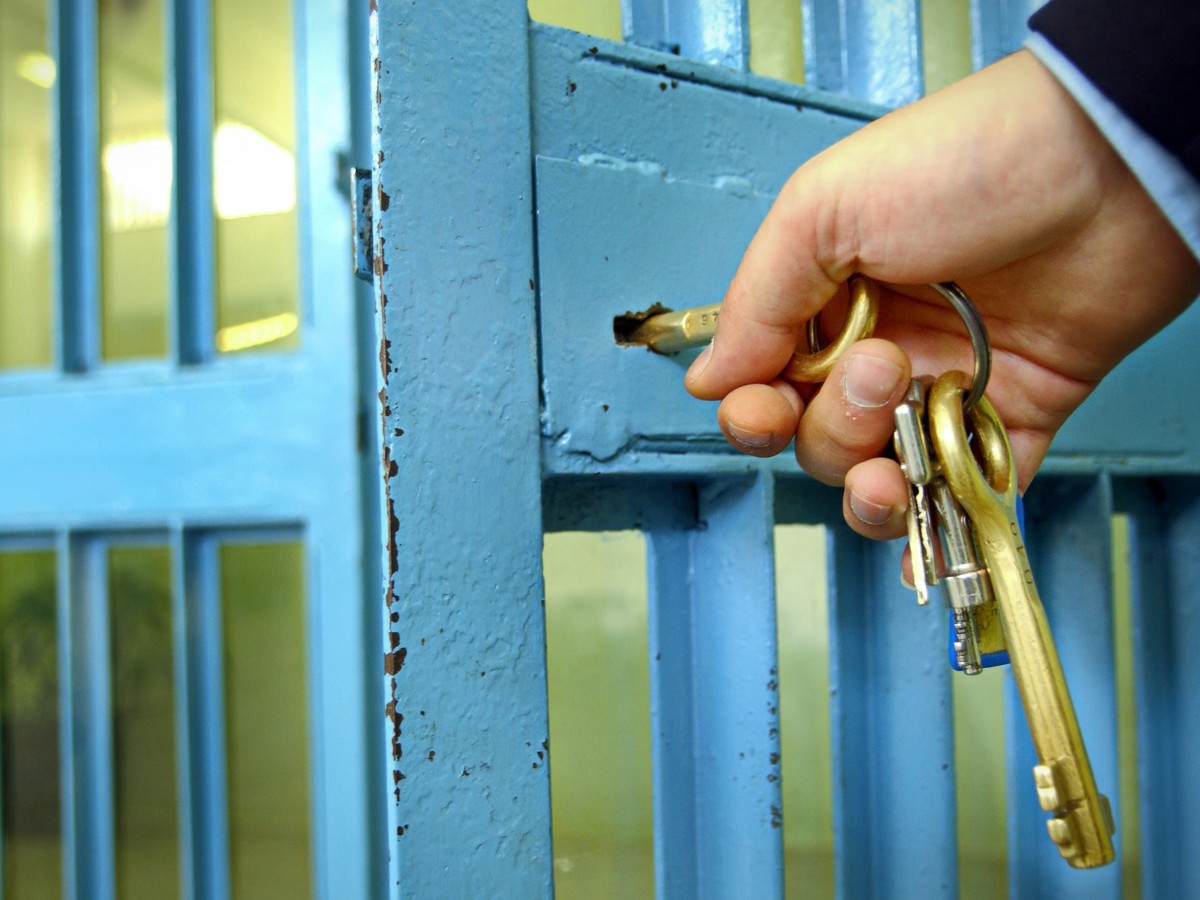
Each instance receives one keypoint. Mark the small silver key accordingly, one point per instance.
(912, 449)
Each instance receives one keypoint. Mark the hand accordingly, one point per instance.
(1000, 183)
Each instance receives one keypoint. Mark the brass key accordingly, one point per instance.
(1082, 824)
(667, 331)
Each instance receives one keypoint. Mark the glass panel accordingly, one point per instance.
(254, 176)
(27, 75)
(599, 17)
(29, 789)
(777, 39)
(980, 782)
(135, 185)
(946, 39)
(804, 719)
(599, 677)
(143, 709)
(1129, 842)
(266, 712)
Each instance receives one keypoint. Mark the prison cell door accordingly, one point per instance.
(181, 571)
(531, 183)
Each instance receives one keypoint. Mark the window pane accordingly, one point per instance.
(599, 17)
(979, 765)
(135, 184)
(27, 75)
(254, 174)
(266, 710)
(599, 678)
(32, 847)
(804, 721)
(777, 39)
(946, 39)
(143, 709)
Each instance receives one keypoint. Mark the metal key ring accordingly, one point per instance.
(860, 324)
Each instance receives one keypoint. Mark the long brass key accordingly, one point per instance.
(1082, 825)
(668, 331)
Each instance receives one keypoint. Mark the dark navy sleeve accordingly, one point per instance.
(1144, 55)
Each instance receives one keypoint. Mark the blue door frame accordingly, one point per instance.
(529, 185)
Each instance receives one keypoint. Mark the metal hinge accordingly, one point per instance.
(361, 223)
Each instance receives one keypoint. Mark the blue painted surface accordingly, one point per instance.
(192, 317)
(718, 811)
(866, 49)
(998, 28)
(76, 127)
(1164, 519)
(892, 727)
(711, 31)
(464, 657)
(1069, 539)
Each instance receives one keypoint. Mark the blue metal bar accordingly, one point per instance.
(1164, 522)
(201, 716)
(193, 307)
(86, 718)
(463, 661)
(894, 812)
(711, 31)
(866, 49)
(714, 697)
(998, 28)
(76, 141)
(1069, 541)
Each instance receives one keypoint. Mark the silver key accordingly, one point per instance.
(912, 449)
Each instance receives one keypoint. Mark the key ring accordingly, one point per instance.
(860, 324)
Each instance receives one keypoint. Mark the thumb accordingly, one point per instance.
(783, 281)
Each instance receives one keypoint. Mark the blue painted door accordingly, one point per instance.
(184, 594)
(530, 184)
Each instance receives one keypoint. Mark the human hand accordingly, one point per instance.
(1000, 183)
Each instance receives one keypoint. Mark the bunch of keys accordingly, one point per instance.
(969, 511)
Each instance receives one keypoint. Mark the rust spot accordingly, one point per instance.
(774, 759)
(465, 772)
(674, 84)
(394, 640)
(662, 85)
(399, 432)
(593, 50)
(776, 817)
(397, 720)
(571, 87)
(432, 754)
(385, 357)
(393, 662)
(393, 469)
(662, 67)
(395, 617)
(375, 9)
(532, 286)
(384, 200)
(395, 776)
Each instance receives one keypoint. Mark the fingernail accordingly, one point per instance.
(869, 511)
(756, 440)
(700, 363)
(906, 581)
(869, 382)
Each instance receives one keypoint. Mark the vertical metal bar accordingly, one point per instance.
(463, 662)
(1164, 522)
(192, 311)
(998, 28)
(1069, 540)
(866, 49)
(711, 31)
(892, 725)
(86, 717)
(202, 717)
(76, 142)
(714, 700)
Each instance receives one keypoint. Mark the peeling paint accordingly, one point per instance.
(393, 662)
